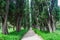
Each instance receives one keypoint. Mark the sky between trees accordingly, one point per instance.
(58, 2)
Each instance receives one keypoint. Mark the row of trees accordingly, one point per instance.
(11, 11)
(46, 14)
(29, 13)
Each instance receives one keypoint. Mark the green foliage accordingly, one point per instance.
(12, 7)
(2, 6)
(21, 9)
(13, 35)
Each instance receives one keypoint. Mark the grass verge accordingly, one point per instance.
(48, 36)
(13, 35)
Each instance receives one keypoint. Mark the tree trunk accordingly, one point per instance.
(4, 19)
(18, 24)
(53, 24)
(13, 28)
(49, 20)
(30, 16)
(4, 24)
(49, 26)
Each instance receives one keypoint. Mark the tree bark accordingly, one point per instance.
(18, 23)
(49, 20)
(53, 24)
(13, 28)
(4, 19)
(49, 26)
(4, 24)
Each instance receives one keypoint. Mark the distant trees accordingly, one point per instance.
(41, 14)
(45, 14)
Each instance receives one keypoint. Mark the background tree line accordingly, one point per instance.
(44, 14)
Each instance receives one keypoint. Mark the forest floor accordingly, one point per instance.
(30, 35)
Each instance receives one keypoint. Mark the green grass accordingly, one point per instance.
(48, 36)
(13, 35)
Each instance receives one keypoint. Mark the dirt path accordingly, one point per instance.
(30, 35)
